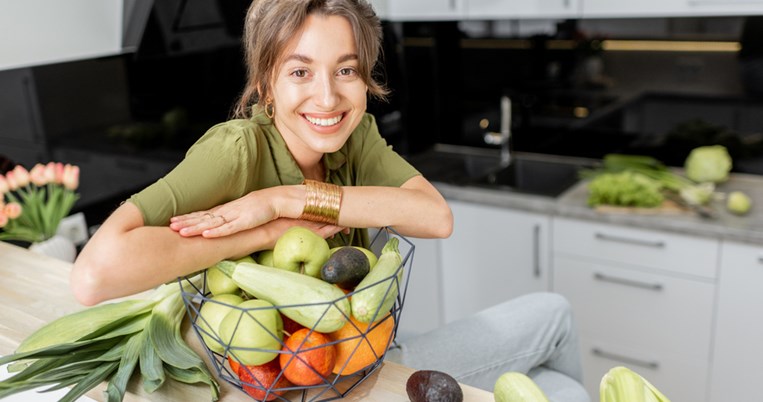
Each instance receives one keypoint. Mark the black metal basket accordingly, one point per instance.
(330, 387)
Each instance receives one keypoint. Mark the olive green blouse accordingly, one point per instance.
(240, 156)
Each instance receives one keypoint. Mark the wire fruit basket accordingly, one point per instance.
(294, 362)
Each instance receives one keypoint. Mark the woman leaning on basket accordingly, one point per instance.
(302, 151)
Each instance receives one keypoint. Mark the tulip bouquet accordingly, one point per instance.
(32, 203)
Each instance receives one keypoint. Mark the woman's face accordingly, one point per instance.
(318, 96)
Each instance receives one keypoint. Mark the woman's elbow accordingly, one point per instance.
(443, 225)
(87, 281)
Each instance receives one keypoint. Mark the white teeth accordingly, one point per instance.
(324, 122)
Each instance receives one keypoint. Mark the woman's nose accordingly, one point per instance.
(326, 94)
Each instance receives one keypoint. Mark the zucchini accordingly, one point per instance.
(309, 301)
(376, 293)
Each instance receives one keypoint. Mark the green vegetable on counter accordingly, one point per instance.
(738, 202)
(625, 188)
(621, 384)
(708, 164)
(106, 343)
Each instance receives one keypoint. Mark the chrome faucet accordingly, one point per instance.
(502, 138)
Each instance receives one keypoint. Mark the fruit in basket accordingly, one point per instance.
(357, 347)
(307, 358)
(432, 385)
(255, 324)
(346, 267)
(376, 293)
(262, 382)
(301, 250)
(370, 254)
(318, 304)
(290, 326)
(218, 283)
(265, 257)
(211, 315)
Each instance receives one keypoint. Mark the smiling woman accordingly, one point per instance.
(301, 119)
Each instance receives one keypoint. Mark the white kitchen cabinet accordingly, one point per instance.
(493, 255)
(420, 10)
(641, 298)
(669, 8)
(739, 328)
(422, 308)
(511, 9)
(39, 32)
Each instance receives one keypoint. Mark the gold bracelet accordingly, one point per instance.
(322, 202)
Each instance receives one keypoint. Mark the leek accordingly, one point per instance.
(107, 343)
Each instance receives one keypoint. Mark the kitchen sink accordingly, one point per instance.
(530, 173)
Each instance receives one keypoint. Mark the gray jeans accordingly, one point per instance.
(533, 334)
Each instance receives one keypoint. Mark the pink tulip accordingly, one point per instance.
(4, 186)
(12, 210)
(37, 175)
(3, 219)
(11, 178)
(21, 175)
(50, 172)
(71, 177)
(59, 172)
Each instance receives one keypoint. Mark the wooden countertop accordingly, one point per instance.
(34, 290)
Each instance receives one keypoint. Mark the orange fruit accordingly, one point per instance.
(262, 381)
(358, 347)
(305, 361)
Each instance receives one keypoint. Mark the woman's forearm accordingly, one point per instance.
(415, 209)
(123, 258)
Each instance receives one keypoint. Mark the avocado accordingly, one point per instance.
(346, 267)
(433, 386)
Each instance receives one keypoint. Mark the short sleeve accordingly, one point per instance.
(212, 172)
(376, 163)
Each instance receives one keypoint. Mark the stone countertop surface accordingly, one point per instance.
(572, 204)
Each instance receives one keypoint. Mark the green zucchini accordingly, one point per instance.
(309, 301)
(376, 293)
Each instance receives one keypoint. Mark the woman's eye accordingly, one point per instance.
(347, 71)
(299, 73)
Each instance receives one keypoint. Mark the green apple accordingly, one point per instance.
(211, 314)
(265, 257)
(218, 283)
(370, 254)
(253, 331)
(301, 250)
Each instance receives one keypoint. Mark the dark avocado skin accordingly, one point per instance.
(346, 268)
(433, 386)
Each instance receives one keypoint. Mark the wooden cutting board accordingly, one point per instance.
(668, 207)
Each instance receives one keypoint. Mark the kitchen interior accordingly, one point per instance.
(499, 104)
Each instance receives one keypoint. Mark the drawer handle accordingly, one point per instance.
(628, 282)
(536, 251)
(625, 359)
(620, 239)
(760, 259)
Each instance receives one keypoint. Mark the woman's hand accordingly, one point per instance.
(247, 212)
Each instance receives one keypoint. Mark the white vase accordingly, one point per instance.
(58, 246)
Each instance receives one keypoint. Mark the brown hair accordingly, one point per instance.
(271, 24)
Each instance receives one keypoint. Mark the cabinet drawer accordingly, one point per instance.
(679, 377)
(649, 248)
(660, 313)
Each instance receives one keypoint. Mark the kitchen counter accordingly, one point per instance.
(35, 291)
(572, 204)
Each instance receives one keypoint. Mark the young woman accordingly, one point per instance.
(302, 116)
(303, 151)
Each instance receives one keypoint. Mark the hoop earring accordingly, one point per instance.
(270, 110)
